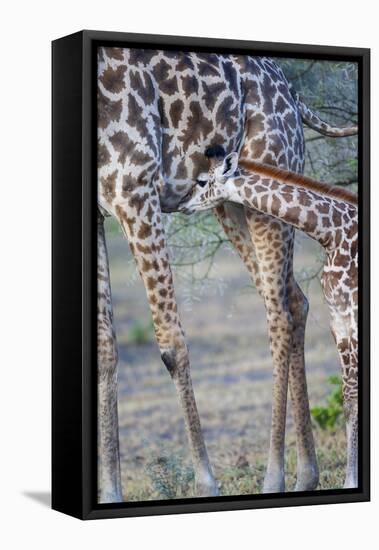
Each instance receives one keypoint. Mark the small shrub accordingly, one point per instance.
(169, 476)
(327, 416)
(141, 332)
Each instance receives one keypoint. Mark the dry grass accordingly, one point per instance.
(231, 369)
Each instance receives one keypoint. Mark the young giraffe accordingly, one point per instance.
(327, 214)
(157, 113)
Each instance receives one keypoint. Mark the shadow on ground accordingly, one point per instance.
(42, 497)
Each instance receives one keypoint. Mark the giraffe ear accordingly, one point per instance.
(229, 165)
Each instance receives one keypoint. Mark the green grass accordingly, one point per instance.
(170, 476)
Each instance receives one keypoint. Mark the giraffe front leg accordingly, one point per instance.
(351, 418)
(174, 355)
(109, 477)
(272, 241)
(142, 224)
(347, 346)
(307, 467)
(246, 231)
(280, 334)
(261, 244)
(350, 394)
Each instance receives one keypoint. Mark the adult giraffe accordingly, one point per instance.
(158, 111)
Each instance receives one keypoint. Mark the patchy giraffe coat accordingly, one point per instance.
(157, 112)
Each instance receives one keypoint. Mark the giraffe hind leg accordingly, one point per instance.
(307, 468)
(109, 476)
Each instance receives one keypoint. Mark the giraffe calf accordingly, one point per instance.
(327, 214)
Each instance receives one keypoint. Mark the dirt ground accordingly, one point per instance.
(231, 370)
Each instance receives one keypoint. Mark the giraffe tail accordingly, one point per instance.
(314, 121)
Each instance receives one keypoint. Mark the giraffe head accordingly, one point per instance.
(211, 188)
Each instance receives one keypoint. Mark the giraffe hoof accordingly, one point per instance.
(307, 479)
(207, 491)
(111, 497)
(274, 483)
(206, 488)
(350, 484)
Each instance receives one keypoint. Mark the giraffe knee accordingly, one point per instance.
(169, 360)
(176, 359)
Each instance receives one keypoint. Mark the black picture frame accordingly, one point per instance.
(74, 457)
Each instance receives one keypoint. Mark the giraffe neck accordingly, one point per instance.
(320, 216)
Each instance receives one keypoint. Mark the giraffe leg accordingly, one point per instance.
(233, 220)
(351, 410)
(270, 240)
(347, 343)
(279, 331)
(142, 225)
(109, 477)
(307, 468)
(351, 417)
(262, 244)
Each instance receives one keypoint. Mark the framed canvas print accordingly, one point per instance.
(210, 275)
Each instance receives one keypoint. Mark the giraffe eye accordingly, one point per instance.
(201, 182)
